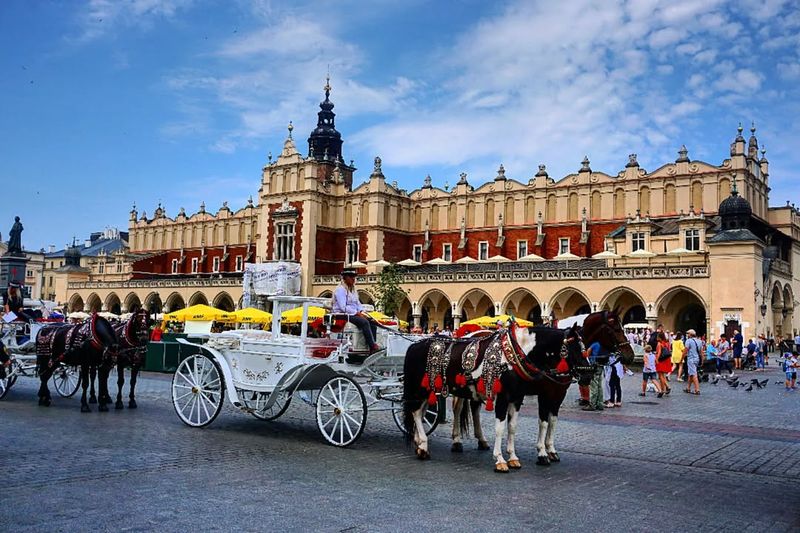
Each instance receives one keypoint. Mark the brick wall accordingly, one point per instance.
(331, 249)
(161, 264)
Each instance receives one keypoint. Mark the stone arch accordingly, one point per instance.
(629, 302)
(550, 208)
(476, 303)
(776, 306)
(132, 301)
(697, 196)
(569, 302)
(326, 294)
(680, 308)
(522, 303)
(572, 206)
(224, 301)
(366, 297)
(75, 303)
(788, 308)
(417, 218)
(174, 302)
(348, 214)
(153, 303)
(113, 304)
(436, 310)
(452, 215)
(594, 207)
(619, 203)
(93, 303)
(530, 209)
(471, 214)
(488, 218)
(644, 200)
(434, 217)
(364, 214)
(405, 311)
(723, 189)
(508, 217)
(198, 298)
(669, 199)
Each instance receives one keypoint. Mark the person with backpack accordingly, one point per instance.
(663, 361)
(694, 358)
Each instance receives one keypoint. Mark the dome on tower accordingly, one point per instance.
(735, 211)
(325, 143)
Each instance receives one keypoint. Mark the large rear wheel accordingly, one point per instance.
(197, 390)
(430, 419)
(341, 411)
(66, 380)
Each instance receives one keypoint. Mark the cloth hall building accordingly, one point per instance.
(689, 244)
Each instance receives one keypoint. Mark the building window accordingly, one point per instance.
(637, 241)
(483, 250)
(417, 255)
(174, 266)
(101, 268)
(194, 265)
(50, 281)
(351, 253)
(29, 273)
(284, 241)
(239, 263)
(563, 245)
(522, 249)
(693, 239)
(447, 252)
(216, 264)
(119, 267)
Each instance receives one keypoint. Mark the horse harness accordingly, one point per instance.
(74, 336)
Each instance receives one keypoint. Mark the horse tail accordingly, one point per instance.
(413, 370)
(465, 418)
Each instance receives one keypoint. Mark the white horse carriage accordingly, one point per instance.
(19, 342)
(261, 372)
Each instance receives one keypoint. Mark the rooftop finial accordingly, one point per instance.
(753, 127)
(734, 190)
(328, 83)
(740, 129)
(290, 127)
(585, 164)
(683, 155)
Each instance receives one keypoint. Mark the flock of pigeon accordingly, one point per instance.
(734, 382)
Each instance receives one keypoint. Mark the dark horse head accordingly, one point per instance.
(552, 349)
(101, 338)
(135, 332)
(605, 327)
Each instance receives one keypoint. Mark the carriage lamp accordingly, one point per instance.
(763, 310)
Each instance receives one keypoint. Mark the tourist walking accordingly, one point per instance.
(694, 360)
(613, 375)
(760, 346)
(790, 366)
(649, 372)
(737, 346)
(663, 361)
(723, 355)
(678, 350)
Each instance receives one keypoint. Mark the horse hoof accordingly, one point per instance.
(103, 408)
(46, 402)
(457, 447)
(132, 404)
(554, 458)
(483, 445)
(119, 405)
(501, 468)
(423, 455)
(92, 399)
(85, 409)
(515, 464)
(542, 460)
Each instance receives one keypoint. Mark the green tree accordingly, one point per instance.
(388, 290)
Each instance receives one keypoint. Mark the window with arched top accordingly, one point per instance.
(572, 206)
(400, 212)
(452, 215)
(285, 181)
(530, 210)
(387, 213)
(348, 215)
(364, 213)
(488, 219)
(324, 214)
(669, 199)
(509, 213)
(435, 217)
(418, 218)
(723, 189)
(644, 200)
(594, 208)
(471, 214)
(550, 208)
(619, 203)
(697, 196)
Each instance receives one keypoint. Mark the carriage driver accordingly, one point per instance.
(13, 301)
(346, 302)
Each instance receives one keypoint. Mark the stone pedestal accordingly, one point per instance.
(12, 268)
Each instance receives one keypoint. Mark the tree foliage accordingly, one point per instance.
(388, 291)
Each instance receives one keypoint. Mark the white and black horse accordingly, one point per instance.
(90, 344)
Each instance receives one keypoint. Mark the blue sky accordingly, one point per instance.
(106, 103)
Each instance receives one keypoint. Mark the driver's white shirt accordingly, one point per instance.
(346, 302)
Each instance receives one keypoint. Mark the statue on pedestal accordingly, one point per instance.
(15, 238)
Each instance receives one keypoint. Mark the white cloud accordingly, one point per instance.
(789, 71)
(103, 17)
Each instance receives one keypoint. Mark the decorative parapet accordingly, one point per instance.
(157, 283)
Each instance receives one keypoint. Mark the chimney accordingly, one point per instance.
(87, 243)
(51, 248)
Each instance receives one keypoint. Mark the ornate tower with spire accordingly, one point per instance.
(325, 143)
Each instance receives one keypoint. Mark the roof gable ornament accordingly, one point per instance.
(462, 179)
(632, 161)
(501, 173)
(585, 165)
(683, 155)
(427, 182)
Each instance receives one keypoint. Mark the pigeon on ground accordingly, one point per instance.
(749, 388)
(779, 383)
(764, 383)
(733, 384)
(715, 381)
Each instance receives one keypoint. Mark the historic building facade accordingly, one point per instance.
(660, 245)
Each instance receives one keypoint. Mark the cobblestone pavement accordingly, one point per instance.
(725, 460)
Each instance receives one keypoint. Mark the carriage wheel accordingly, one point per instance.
(67, 380)
(197, 391)
(430, 419)
(341, 411)
(276, 410)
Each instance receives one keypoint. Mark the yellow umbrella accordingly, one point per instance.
(251, 315)
(295, 316)
(198, 313)
(490, 322)
(380, 317)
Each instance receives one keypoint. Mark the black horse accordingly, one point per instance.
(133, 334)
(90, 344)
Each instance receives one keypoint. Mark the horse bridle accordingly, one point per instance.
(549, 373)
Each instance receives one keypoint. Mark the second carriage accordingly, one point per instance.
(262, 372)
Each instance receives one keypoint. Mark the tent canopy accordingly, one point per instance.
(491, 321)
(199, 313)
(251, 315)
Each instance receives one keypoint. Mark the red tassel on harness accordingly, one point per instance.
(489, 405)
(461, 380)
(432, 398)
(562, 367)
(426, 382)
(437, 383)
(481, 387)
(497, 387)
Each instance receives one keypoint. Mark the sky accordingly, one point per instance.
(107, 103)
